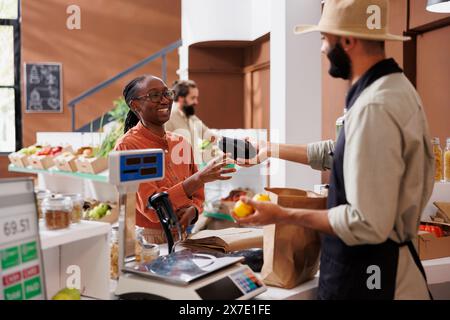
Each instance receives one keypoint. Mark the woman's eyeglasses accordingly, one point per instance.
(156, 96)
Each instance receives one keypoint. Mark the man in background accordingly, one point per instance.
(183, 120)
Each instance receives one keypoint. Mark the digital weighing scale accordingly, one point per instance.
(183, 274)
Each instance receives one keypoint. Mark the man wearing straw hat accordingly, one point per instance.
(381, 165)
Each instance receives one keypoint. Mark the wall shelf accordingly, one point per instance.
(101, 177)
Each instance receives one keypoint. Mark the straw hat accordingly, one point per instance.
(363, 19)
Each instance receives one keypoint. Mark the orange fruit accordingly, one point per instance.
(242, 210)
(261, 197)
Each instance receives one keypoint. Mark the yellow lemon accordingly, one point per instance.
(261, 197)
(242, 210)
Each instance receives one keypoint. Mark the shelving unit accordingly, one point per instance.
(101, 177)
(84, 248)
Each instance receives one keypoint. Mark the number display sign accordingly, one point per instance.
(21, 272)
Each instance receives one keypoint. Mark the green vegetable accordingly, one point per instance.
(99, 211)
(67, 294)
(119, 114)
(205, 144)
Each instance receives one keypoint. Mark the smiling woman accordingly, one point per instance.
(150, 103)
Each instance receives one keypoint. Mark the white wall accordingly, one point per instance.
(261, 18)
(295, 106)
(295, 66)
(216, 20)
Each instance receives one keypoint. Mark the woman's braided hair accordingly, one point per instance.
(129, 93)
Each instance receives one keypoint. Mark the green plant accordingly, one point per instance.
(119, 114)
(120, 111)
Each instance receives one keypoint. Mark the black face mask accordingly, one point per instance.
(189, 110)
(341, 65)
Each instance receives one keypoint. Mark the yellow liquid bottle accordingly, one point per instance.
(447, 162)
(438, 176)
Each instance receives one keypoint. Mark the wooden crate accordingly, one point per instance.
(91, 165)
(66, 162)
(19, 159)
(41, 162)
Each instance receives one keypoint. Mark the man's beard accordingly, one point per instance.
(189, 110)
(341, 65)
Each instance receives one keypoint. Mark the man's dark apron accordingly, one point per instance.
(345, 271)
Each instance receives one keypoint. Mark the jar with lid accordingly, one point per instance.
(57, 212)
(447, 161)
(114, 268)
(150, 252)
(138, 243)
(77, 202)
(40, 196)
(340, 123)
(438, 159)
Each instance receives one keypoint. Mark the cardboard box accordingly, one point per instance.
(66, 162)
(18, 159)
(41, 162)
(295, 198)
(91, 165)
(432, 247)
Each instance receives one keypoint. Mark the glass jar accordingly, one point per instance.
(447, 162)
(340, 123)
(78, 202)
(114, 268)
(150, 252)
(40, 196)
(138, 243)
(438, 159)
(57, 212)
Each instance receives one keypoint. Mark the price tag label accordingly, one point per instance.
(18, 227)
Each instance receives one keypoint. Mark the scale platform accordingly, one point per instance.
(190, 275)
(183, 267)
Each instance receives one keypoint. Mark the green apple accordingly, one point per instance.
(67, 294)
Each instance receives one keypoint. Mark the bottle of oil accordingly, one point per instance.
(438, 159)
(447, 162)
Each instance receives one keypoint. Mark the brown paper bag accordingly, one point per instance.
(291, 253)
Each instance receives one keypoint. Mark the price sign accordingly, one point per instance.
(21, 271)
(17, 227)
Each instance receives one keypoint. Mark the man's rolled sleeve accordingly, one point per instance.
(320, 154)
(340, 222)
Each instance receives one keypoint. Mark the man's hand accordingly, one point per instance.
(186, 216)
(263, 150)
(265, 213)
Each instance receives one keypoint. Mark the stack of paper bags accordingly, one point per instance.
(226, 240)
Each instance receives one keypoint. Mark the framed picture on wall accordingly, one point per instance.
(43, 87)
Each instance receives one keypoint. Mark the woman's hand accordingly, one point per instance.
(215, 170)
(186, 216)
(265, 213)
(263, 152)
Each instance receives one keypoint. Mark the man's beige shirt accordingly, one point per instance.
(191, 128)
(388, 173)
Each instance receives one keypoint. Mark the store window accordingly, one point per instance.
(10, 110)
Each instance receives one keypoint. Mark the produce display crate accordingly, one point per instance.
(91, 165)
(19, 159)
(66, 162)
(41, 162)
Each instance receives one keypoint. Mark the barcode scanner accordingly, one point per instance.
(239, 149)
